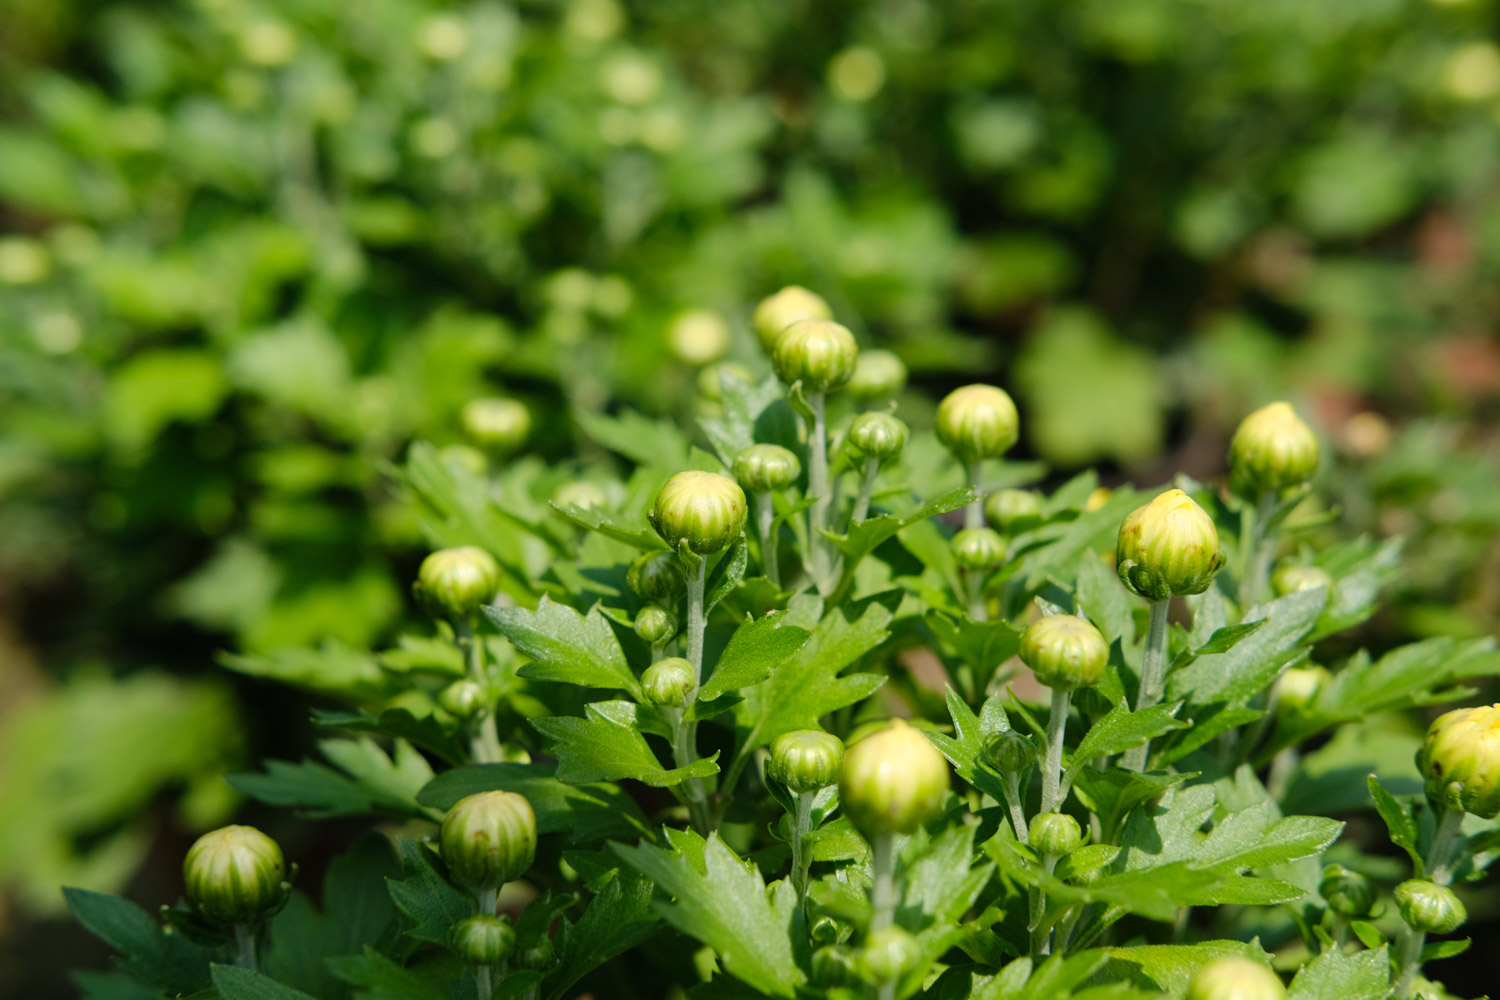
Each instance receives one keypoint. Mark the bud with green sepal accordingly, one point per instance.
(1294, 579)
(462, 699)
(1460, 760)
(485, 939)
(825, 930)
(818, 353)
(1055, 834)
(1273, 450)
(656, 576)
(1235, 978)
(498, 425)
(235, 875)
(790, 305)
(1009, 752)
(975, 423)
(877, 375)
(538, 956)
(765, 469)
(1299, 686)
(1349, 894)
(702, 512)
(1012, 510)
(656, 625)
(978, 552)
(455, 583)
(1065, 653)
(1429, 908)
(487, 840)
(669, 683)
(806, 760)
(878, 438)
(583, 494)
(834, 965)
(888, 954)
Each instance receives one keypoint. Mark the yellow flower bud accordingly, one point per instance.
(1168, 546)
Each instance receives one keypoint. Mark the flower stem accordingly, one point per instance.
(883, 895)
(866, 490)
(817, 485)
(974, 512)
(801, 827)
(1153, 678)
(1018, 822)
(685, 741)
(483, 983)
(765, 519)
(1258, 550)
(487, 899)
(1408, 960)
(979, 611)
(1440, 860)
(245, 948)
(1057, 726)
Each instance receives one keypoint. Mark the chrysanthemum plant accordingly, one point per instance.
(804, 704)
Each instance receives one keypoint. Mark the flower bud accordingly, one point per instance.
(766, 468)
(1461, 760)
(1009, 510)
(977, 422)
(456, 583)
(889, 953)
(1009, 751)
(501, 425)
(537, 957)
(1349, 894)
(833, 965)
(825, 930)
(1168, 546)
(806, 760)
(656, 576)
(1291, 579)
(462, 699)
(893, 781)
(711, 379)
(1429, 907)
(877, 375)
(655, 624)
(698, 337)
(1297, 688)
(819, 353)
(488, 839)
(777, 312)
(1273, 450)
(667, 682)
(461, 456)
(878, 435)
(702, 510)
(1234, 978)
(581, 493)
(234, 875)
(1065, 652)
(482, 940)
(978, 549)
(1057, 834)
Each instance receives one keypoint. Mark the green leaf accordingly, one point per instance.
(1221, 641)
(148, 952)
(151, 390)
(637, 437)
(755, 649)
(431, 902)
(1104, 600)
(1172, 966)
(566, 646)
(726, 575)
(370, 782)
(333, 668)
(1215, 676)
(866, 536)
(619, 917)
(1445, 949)
(588, 812)
(376, 977)
(1113, 793)
(941, 884)
(595, 519)
(724, 903)
(235, 983)
(1120, 730)
(963, 749)
(982, 646)
(1338, 975)
(753, 412)
(1399, 820)
(607, 745)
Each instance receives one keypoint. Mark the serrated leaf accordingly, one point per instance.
(589, 812)
(618, 918)
(376, 977)
(1103, 600)
(756, 648)
(370, 781)
(431, 902)
(1210, 677)
(726, 905)
(566, 646)
(1172, 966)
(1113, 793)
(446, 741)
(1338, 975)
(753, 412)
(726, 575)
(637, 437)
(235, 983)
(1222, 640)
(963, 748)
(1120, 730)
(866, 536)
(333, 668)
(595, 519)
(1399, 820)
(607, 745)
(148, 952)
(942, 884)
(982, 646)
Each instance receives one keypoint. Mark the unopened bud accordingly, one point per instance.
(893, 781)
(1234, 978)
(698, 336)
(833, 965)
(655, 624)
(1168, 546)
(488, 839)
(1009, 751)
(777, 312)
(483, 940)
(668, 682)
(1057, 834)
(456, 583)
(1460, 758)
(806, 760)
(1273, 450)
(1429, 907)
(234, 875)
(978, 550)
(1349, 894)
(889, 953)
(767, 468)
(878, 435)
(702, 510)
(1012, 510)
(1292, 579)
(1297, 688)
(1065, 652)
(819, 353)
(877, 375)
(711, 379)
(977, 422)
(462, 699)
(656, 576)
(501, 425)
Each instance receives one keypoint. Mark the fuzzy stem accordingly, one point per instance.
(765, 519)
(979, 611)
(684, 738)
(801, 827)
(483, 983)
(484, 737)
(883, 895)
(974, 512)
(1409, 961)
(1153, 666)
(1041, 943)
(866, 490)
(1057, 726)
(487, 899)
(685, 741)
(246, 956)
(817, 486)
(1440, 860)
(1258, 550)
(1017, 814)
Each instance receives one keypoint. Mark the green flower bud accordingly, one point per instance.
(1057, 834)
(1234, 978)
(1168, 546)
(977, 422)
(766, 468)
(806, 760)
(702, 510)
(833, 965)
(1273, 450)
(580, 493)
(1291, 579)
(819, 353)
(488, 839)
(537, 957)
(667, 682)
(1461, 760)
(234, 875)
(655, 624)
(461, 456)
(1009, 510)
(777, 312)
(1296, 688)
(1065, 652)
(462, 699)
(501, 425)
(456, 583)
(656, 576)
(1429, 907)
(698, 336)
(1349, 894)
(889, 953)
(893, 781)
(711, 379)
(877, 375)
(978, 549)
(825, 929)
(878, 435)
(482, 940)
(1009, 751)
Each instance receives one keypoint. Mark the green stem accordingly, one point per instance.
(974, 512)
(1153, 679)
(1041, 942)
(1440, 856)
(817, 486)
(866, 491)
(765, 520)
(484, 984)
(245, 948)
(883, 895)
(487, 899)
(1408, 960)
(979, 611)
(1258, 551)
(801, 857)
(484, 738)
(1057, 726)
(685, 737)
(1017, 814)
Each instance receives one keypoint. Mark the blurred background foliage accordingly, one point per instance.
(252, 249)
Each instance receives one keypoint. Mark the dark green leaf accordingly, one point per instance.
(1120, 730)
(726, 575)
(1399, 820)
(589, 812)
(595, 519)
(607, 745)
(1338, 975)
(147, 952)
(376, 977)
(369, 781)
(618, 918)
(755, 649)
(431, 902)
(566, 646)
(235, 983)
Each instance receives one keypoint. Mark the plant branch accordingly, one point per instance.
(1153, 678)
